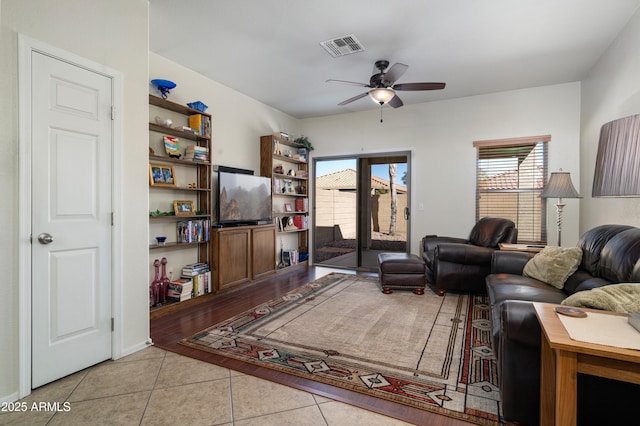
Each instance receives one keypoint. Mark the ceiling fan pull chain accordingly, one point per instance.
(381, 113)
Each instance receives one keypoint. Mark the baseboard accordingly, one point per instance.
(138, 347)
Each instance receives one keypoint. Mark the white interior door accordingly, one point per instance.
(71, 218)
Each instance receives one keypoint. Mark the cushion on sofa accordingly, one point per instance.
(553, 265)
(620, 258)
(615, 297)
(593, 241)
(501, 287)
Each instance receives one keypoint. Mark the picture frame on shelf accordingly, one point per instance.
(183, 208)
(161, 175)
(288, 207)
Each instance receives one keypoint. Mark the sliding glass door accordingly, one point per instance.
(360, 209)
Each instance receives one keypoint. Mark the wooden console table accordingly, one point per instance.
(563, 358)
(243, 254)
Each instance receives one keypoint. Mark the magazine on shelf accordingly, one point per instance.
(180, 290)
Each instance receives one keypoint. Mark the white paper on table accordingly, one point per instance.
(602, 329)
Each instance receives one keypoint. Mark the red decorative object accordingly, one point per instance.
(156, 283)
(164, 279)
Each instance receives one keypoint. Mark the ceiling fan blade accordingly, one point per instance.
(395, 72)
(419, 86)
(352, 83)
(355, 98)
(395, 102)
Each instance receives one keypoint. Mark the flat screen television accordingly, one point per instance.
(243, 198)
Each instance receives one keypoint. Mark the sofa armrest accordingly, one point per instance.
(519, 323)
(518, 356)
(465, 254)
(509, 262)
(430, 242)
(582, 280)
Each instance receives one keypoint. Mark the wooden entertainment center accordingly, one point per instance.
(243, 254)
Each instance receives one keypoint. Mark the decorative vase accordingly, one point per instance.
(156, 283)
(165, 280)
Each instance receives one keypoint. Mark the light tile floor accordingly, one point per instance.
(156, 387)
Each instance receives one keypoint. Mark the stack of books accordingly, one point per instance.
(180, 289)
(200, 275)
(196, 153)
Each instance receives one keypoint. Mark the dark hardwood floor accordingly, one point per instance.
(172, 323)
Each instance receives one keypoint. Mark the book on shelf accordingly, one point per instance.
(201, 124)
(202, 283)
(300, 222)
(195, 122)
(200, 274)
(289, 257)
(302, 204)
(193, 231)
(206, 126)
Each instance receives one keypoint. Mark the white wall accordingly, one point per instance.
(610, 91)
(440, 136)
(238, 121)
(115, 34)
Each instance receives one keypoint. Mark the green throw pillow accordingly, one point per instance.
(553, 265)
(615, 297)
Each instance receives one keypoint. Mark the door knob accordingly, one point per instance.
(45, 238)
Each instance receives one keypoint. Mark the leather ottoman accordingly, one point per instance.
(401, 270)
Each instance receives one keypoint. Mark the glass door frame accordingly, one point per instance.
(363, 199)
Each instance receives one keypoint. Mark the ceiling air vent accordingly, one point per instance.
(341, 46)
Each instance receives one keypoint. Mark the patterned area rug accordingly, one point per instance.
(429, 352)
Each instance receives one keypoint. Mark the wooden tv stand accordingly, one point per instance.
(243, 254)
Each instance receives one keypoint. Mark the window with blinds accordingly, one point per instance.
(510, 177)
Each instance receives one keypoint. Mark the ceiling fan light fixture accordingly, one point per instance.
(382, 95)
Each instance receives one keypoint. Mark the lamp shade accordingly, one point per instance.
(382, 95)
(617, 172)
(559, 186)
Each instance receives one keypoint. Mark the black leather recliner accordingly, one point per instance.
(462, 264)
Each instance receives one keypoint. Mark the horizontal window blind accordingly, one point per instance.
(510, 176)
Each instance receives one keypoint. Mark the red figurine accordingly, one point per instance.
(156, 284)
(165, 280)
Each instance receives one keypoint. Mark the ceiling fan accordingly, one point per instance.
(383, 89)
